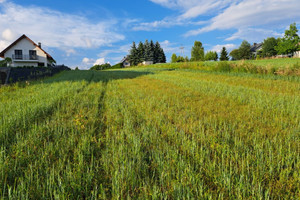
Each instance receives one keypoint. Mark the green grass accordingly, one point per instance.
(151, 133)
(282, 66)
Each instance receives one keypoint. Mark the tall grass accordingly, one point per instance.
(287, 66)
(151, 134)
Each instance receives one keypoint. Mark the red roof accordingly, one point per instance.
(19, 39)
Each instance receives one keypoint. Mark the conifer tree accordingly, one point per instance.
(162, 57)
(147, 50)
(141, 53)
(157, 53)
(224, 54)
(133, 57)
(151, 51)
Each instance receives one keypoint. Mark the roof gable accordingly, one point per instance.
(18, 40)
(124, 59)
(255, 47)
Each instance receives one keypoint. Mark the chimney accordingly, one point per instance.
(40, 45)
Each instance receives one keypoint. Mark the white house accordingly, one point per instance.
(125, 61)
(147, 63)
(255, 48)
(24, 52)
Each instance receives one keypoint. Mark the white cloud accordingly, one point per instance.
(70, 52)
(3, 44)
(55, 29)
(169, 47)
(99, 61)
(188, 10)
(253, 13)
(8, 35)
(151, 26)
(253, 35)
(203, 7)
(122, 49)
(179, 4)
(165, 23)
(2, 1)
(88, 62)
(219, 47)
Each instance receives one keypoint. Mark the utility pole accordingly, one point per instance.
(181, 50)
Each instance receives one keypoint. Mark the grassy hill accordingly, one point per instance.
(282, 66)
(151, 133)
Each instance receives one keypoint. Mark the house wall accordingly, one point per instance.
(126, 64)
(25, 46)
(148, 63)
(297, 54)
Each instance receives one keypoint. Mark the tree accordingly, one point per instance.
(290, 42)
(151, 52)
(133, 57)
(235, 54)
(268, 47)
(186, 59)
(101, 67)
(141, 52)
(224, 54)
(146, 52)
(197, 53)
(6, 62)
(147, 49)
(244, 50)
(174, 58)
(211, 55)
(159, 54)
(180, 59)
(162, 57)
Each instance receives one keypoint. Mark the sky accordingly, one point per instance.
(84, 33)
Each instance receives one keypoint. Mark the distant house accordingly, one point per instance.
(297, 53)
(24, 52)
(125, 61)
(256, 48)
(148, 63)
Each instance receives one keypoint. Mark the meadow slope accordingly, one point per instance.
(151, 133)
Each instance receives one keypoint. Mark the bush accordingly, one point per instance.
(223, 66)
(101, 67)
(293, 70)
(117, 66)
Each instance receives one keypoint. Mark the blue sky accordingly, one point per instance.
(82, 33)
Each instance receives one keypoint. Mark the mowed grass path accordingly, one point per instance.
(151, 134)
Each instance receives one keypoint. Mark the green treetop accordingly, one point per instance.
(224, 54)
(290, 42)
(197, 53)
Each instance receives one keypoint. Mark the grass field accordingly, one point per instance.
(151, 133)
(280, 66)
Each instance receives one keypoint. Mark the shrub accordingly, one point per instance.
(223, 66)
(117, 66)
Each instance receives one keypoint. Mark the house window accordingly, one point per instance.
(18, 54)
(32, 55)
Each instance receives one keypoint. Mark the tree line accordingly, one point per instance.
(197, 54)
(271, 46)
(147, 51)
